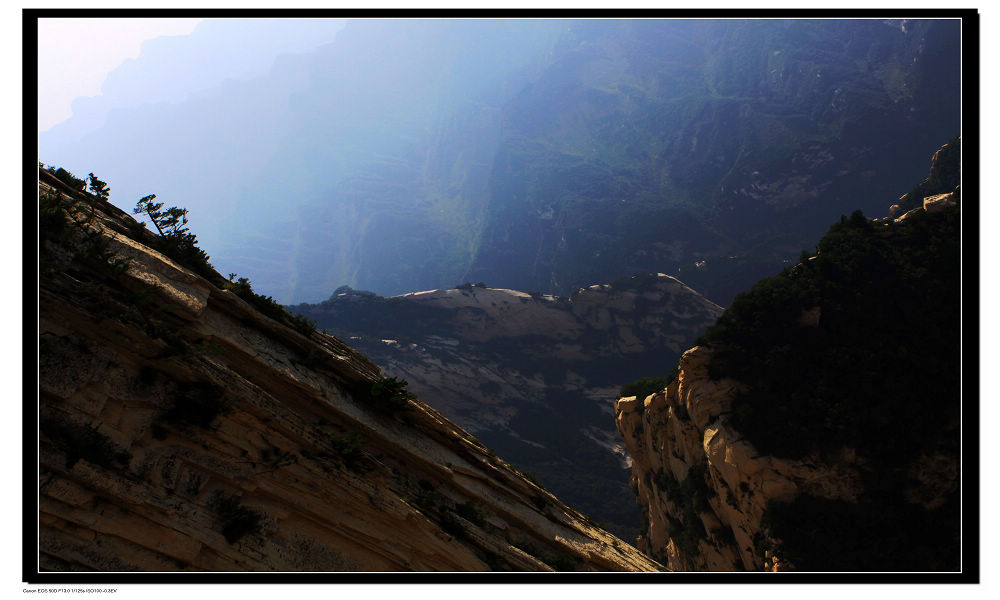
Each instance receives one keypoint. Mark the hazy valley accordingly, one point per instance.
(715, 325)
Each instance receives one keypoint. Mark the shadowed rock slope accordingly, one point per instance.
(532, 375)
(182, 430)
(816, 426)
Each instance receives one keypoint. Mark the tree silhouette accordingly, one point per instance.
(170, 222)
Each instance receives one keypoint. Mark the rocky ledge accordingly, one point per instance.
(182, 430)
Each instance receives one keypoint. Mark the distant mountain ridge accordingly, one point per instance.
(531, 375)
(541, 154)
(172, 69)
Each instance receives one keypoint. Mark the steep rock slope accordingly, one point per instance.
(531, 374)
(181, 429)
(812, 430)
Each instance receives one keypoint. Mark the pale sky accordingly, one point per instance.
(75, 56)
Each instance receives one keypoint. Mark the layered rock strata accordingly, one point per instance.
(182, 430)
(689, 463)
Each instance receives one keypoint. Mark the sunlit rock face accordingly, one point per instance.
(183, 430)
(688, 462)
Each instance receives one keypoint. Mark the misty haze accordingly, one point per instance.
(510, 294)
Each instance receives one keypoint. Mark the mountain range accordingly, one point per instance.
(532, 376)
(539, 155)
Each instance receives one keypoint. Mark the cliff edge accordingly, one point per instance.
(181, 429)
(816, 426)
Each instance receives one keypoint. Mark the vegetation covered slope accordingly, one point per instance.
(823, 408)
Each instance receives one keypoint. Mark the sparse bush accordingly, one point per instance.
(474, 512)
(175, 240)
(640, 388)
(533, 479)
(268, 307)
(347, 446)
(80, 441)
(392, 393)
(68, 178)
(71, 223)
(237, 520)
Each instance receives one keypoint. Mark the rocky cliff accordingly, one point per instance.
(809, 430)
(532, 375)
(180, 429)
(705, 487)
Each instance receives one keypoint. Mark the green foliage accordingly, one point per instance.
(80, 441)
(98, 188)
(237, 520)
(392, 393)
(68, 178)
(267, 306)
(533, 478)
(474, 512)
(347, 446)
(640, 388)
(175, 240)
(60, 219)
(428, 499)
(888, 330)
(71, 223)
(169, 222)
(52, 221)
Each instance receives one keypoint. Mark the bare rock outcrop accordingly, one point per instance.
(689, 463)
(182, 430)
(505, 365)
